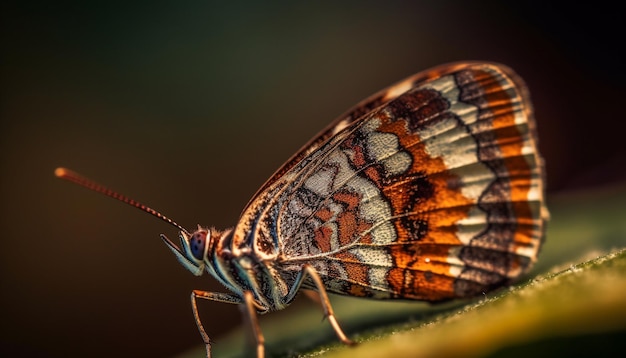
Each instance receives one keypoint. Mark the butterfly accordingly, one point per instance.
(432, 189)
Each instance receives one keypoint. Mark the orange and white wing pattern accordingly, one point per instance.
(431, 189)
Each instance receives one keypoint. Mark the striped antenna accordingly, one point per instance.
(76, 178)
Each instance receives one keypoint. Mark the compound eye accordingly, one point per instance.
(197, 243)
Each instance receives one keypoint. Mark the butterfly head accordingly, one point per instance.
(193, 251)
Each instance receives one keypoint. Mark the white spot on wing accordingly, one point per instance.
(377, 273)
(472, 225)
(383, 233)
(370, 125)
(385, 148)
(320, 182)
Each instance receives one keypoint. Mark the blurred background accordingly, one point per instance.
(190, 106)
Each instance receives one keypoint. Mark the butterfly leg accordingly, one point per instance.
(250, 309)
(211, 296)
(325, 302)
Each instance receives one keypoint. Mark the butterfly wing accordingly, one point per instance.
(431, 189)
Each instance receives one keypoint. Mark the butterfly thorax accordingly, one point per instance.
(241, 266)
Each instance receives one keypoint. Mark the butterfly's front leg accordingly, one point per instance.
(211, 296)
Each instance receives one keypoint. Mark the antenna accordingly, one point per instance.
(76, 178)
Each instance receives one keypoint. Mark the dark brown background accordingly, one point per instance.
(189, 107)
